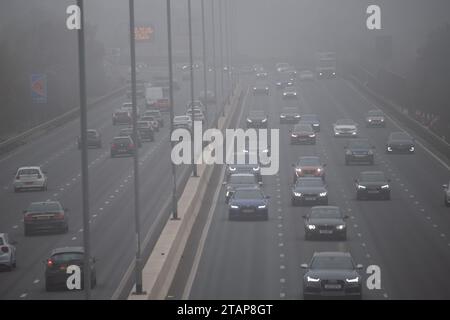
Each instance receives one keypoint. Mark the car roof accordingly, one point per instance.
(242, 175)
(122, 137)
(302, 125)
(308, 157)
(30, 167)
(67, 250)
(332, 254)
(310, 179)
(325, 207)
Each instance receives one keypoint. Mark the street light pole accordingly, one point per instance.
(171, 104)
(227, 47)
(204, 62)
(194, 166)
(213, 32)
(84, 155)
(138, 270)
(221, 58)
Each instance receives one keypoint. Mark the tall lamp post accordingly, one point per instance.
(191, 68)
(169, 51)
(84, 155)
(205, 98)
(221, 58)
(138, 269)
(213, 32)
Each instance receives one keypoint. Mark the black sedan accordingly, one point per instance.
(248, 203)
(359, 151)
(289, 115)
(244, 168)
(325, 221)
(257, 119)
(56, 268)
(332, 275)
(303, 134)
(400, 142)
(309, 190)
(45, 216)
(240, 180)
(372, 184)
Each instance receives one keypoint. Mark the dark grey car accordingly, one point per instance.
(257, 119)
(309, 190)
(244, 168)
(240, 180)
(359, 151)
(372, 184)
(289, 115)
(94, 139)
(311, 119)
(45, 216)
(332, 275)
(400, 142)
(325, 221)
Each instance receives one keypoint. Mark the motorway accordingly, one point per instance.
(111, 199)
(408, 237)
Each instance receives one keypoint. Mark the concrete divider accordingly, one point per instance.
(160, 268)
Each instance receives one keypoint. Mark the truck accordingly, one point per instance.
(156, 99)
(326, 65)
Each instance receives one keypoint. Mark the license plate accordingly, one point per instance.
(29, 182)
(310, 198)
(373, 191)
(333, 286)
(360, 155)
(247, 210)
(325, 231)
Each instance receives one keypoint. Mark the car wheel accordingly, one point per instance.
(344, 237)
(294, 202)
(358, 196)
(26, 231)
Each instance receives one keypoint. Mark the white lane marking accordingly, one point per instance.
(282, 280)
(385, 295)
(280, 210)
(280, 226)
(74, 238)
(23, 295)
(280, 217)
(15, 226)
(282, 295)
(281, 244)
(101, 209)
(282, 267)
(36, 281)
(442, 162)
(281, 255)
(106, 202)
(111, 196)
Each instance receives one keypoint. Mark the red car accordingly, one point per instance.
(309, 166)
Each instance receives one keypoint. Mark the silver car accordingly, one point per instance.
(345, 128)
(7, 252)
(29, 178)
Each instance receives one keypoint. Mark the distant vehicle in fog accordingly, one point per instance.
(375, 118)
(400, 142)
(372, 184)
(94, 139)
(306, 75)
(326, 65)
(345, 128)
(30, 178)
(446, 194)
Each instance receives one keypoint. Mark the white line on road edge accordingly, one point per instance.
(201, 245)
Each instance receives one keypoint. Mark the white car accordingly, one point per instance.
(196, 114)
(30, 178)
(345, 128)
(306, 75)
(182, 122)
(7, 252)
(289, 94)
(446, 194)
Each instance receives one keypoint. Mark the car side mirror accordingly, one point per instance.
(304, 266)
(359, 266)
(374, 147)
(346, 217)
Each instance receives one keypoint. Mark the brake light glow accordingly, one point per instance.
(49, 263)
(5, 249)
(59, 215)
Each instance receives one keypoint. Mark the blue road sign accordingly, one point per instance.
(39, 88)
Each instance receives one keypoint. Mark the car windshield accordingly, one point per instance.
(152, 113)
(248, 194)
(1, 241)
(372, 176)
(303, 127)
(400, 136)
(67, 257)
(313, 161)
(325, 213)
(309, 183)
(181, 119)
(344, 122)
(359, 144)
(143, 124)
(256, 113)
(44, 207)
(91, 134)
(290, 110)
(148, 118)
(234, 179)
(332, 263)
(122, 140)
(28, 171)
(309, 117)
(375, 113)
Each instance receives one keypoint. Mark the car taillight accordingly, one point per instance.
(5, 249)
(27, 217)
(59, 215)
(49, 263)
(114, 146)
(131, 145)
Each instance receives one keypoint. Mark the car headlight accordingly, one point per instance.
(254, 88)
(298, 170)
(382, 120)
(262, 207)
(361, 187)
(267, 88)
(315, 124)
(297, 194)
(256, 169)
(322, 194)
(311, 227)
(297, 116)
(294, 135)
(265, 151)
(411, 149)
(245, 151)
(312, 135)
(284, 93)
(319, 170)
(310, 279)
(340, 227)
(370, 120)
(334, 73)
(234, 207)
(278, 83)
(352, 280)
(263, 120)
(249, 120)
(389, 148)
(354, 132)
(282, 116)
(295, 93)
(386, 186)
(232, 169)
